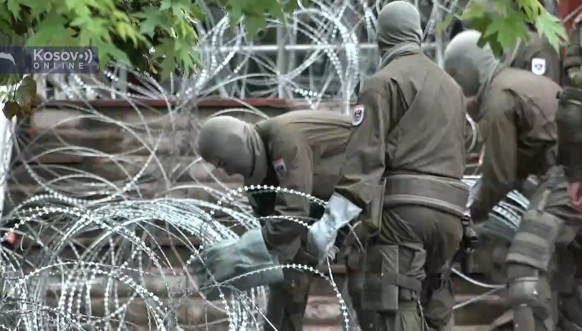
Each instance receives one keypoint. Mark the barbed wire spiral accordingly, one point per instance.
(111, 206)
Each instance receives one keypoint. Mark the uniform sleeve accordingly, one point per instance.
(293, 163)
(499, 166)
(573, 55)
(569, 123)
(553, 65)
(365, 153)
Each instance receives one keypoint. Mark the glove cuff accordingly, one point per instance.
(341, 210)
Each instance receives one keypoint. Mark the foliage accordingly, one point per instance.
(504, 22)
(126, 30)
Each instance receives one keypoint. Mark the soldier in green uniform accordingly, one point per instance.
(516, 112)
(569, 116)
(301, 151)
(404, 163)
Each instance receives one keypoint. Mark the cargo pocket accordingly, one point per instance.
(380, 291)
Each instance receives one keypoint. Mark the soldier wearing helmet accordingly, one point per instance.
(516, 111)
(301, 151)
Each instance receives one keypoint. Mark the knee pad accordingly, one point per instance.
(383, 277)
(523, 291)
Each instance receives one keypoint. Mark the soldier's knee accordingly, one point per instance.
(523, 291)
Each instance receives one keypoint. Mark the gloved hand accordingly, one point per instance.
(576, 77)
(477, 215)
(322, 234)
(226, 260)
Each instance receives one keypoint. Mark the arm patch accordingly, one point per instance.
(538, 66)
(280, 168)
(358, 116)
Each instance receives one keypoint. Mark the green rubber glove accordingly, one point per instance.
(221, 265)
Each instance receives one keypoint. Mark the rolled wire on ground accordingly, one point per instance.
(96, 250)
(106, 244)
(125, 254)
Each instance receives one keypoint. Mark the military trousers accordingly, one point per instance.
(546, 252)
(288, 299)
(402, 281)
(287, 302)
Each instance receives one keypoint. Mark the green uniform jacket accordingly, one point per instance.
(569, 117)
(539, 57)
(573, 55)
(388, 138)
(305, 149)
(517, 121)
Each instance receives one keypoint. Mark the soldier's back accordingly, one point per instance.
(427, 118)
(325, 133)
(537, 98)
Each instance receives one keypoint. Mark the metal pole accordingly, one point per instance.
(6, 129)
(296, 48)
(281, 61)
(439, 40)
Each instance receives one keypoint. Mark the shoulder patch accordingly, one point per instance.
(358, 116)
(538, 66)
(280, 168)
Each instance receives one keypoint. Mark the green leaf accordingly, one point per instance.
(532, 9)
(9, 79)
(4, 14)
(166, 52)
(507, 29)
(52, 31)
(276, 10)
(127, 31)
(552, 28)
(13, 7)
(186, 56)
(153, 18)
(473, 11)
(290, 6)
(26, 92)
(165, 4)
(37, 8)
(446, 22)
(108, 51)
(80, 21)
(197, 13)
(254, 24)
(11, 109)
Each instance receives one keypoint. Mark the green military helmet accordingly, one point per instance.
(233, 146)
(470, 65)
